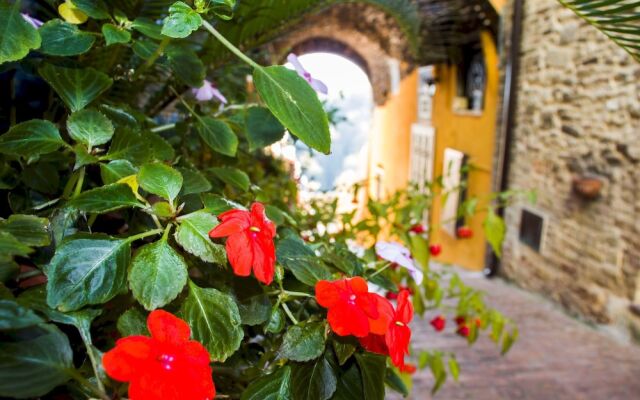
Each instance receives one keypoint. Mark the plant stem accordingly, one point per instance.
(229, 45)
(166, 232)
(380, 270)
(79, 184)
(162, 128)
(156, 54)
(85, 382)
(289, 313)
(86, 339)
(144, 235)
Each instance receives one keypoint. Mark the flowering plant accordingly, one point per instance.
(150, 248)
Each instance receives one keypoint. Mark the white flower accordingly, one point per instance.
(207, 92)
(316, 84)
(397, 253)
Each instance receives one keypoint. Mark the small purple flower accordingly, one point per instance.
(207, 92)
(316, 84)
(36, 23)
(397, 253)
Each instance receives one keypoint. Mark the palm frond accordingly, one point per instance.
(618, 19)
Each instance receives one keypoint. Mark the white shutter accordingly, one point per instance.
(422, 147)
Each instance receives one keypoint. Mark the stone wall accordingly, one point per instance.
(578, 114)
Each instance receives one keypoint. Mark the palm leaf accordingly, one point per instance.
(618, 19)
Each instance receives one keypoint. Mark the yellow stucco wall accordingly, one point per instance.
(474, 135)
(391, 138)
(498, 4)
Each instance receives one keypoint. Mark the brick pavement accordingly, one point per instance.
(555, 358)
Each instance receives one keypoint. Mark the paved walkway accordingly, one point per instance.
(556, 357)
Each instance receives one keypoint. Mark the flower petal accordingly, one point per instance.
(293, 59)
(124, 361)
(346, 319)
(358, 285)
(397, 339)
(380, 325)
(240, 253)
(264, 259)
(375, 344)
(327, 294)
(166, 327)
(404, 311)
(233, 221)
(319, 86)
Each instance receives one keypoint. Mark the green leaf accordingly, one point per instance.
(292, 100)
(90, 127)
(33, 367)
(254, 305)
(10, 247)
(87, 269)
(494, 229)
(162, 209)
(182, 21)
(8, 269)
(217, 135)
(295, 256)
(132, 322)
(31, 138)
(276, 321)
(194, 182)
(115, 35)
(17, 36)
(373, 369)
(349, 385)
(223, 8)
(42, 177)
(96, 9)
(36, 299)
(77, 87)
(160, 179)
(15, 316)
(186, 65)
(454, 368)
(83, 157)
(193, 235)
(28, 229)
(275, 386)
(162, 150)
(313, 380)
(233, 177)
(129, 145)
(157, 275)
(263, 129)
(116, 170)
(105, 198)
(509, 340)
(214, 320)
(217, 204)
(395, 382)
(303, 342)
(344, 347)
(61, 38)
(147, 27)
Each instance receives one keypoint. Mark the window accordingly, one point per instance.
(471, 81)
(531, 229)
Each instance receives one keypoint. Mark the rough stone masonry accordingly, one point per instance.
(578, 116)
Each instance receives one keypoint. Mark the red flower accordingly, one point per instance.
(395, 343)
(250, 242)
(418, 229)
(460, 319)
(166, 365)
(438, 323)
(464, 232)
(463, 330)
(352, 309)
(435, 249)
(408, 369)
(391, 295)
(399, 333)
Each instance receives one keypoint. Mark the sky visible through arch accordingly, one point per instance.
(351, 93)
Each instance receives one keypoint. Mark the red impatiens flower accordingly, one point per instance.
(463, 330)
(250, 242)
(352, 309)
(408, 369)
(418, 229)
(464, 232)
(438, 323)
(395, 342)
(399, 334)
(435, 249)
(166, 365)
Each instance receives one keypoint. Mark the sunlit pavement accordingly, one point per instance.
(556, 357)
